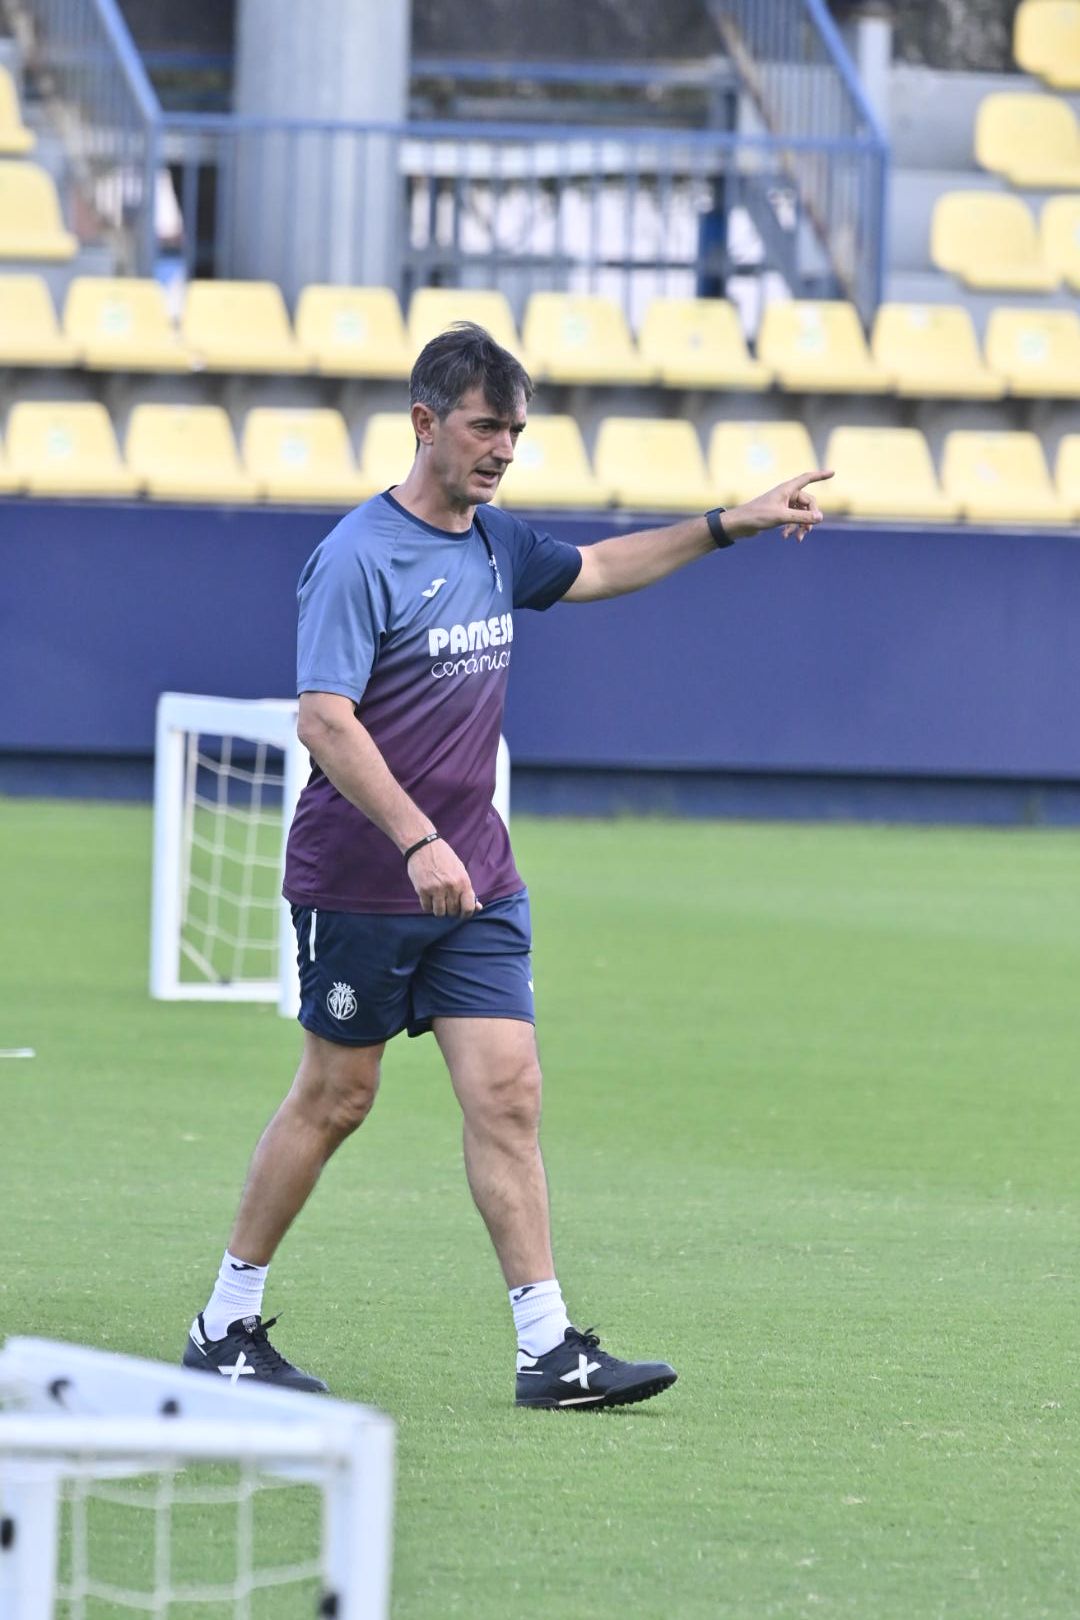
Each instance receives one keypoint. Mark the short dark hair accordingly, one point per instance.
(464, 357)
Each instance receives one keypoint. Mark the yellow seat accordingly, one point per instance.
(187, 453)
(9, 481)
(1067, 469)
(747, 458)
(1059, 228)
(1046, 41)
(123, 324)
(1000, 478)
(1036, 351)
(989, 241)
(31, 226)
(699, 343)
(240, 326)
(66, 449)
(819, 348)
(388, 452)
(885, 473)
(302, 455)
(931, 350)
(1033, 140)
(582, 339)
(15, 139)
(354, 331)
(433, 309)
(30, 334)
(551, 468)
(653, 465)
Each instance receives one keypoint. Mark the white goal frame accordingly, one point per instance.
(80, 1410)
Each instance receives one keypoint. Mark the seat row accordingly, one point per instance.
(918, 350)
(991, 241)
(189, 453)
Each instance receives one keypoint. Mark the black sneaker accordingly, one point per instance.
(577, 1373)
(245, 1352)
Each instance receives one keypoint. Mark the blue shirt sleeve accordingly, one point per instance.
(344, 613)
(544, 568)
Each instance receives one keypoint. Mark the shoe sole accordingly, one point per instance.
(619, 1397)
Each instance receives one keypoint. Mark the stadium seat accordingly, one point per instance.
(433, 309)
(1059, 228)
(931, 350)
(989, 241)
(240, 326)
(9, 482)
(1067, 469)
(302, 456)
(699, 343)
(818, 348)
(123, 324)
(66, 449)
(551, 468)
(581, 339)
(1036, 351)
(652, 465)
(1046, 41)
(31, 226)
(353, 331)
(1000, 478)
(30, 334)
(885, 473)
(187, 453)
(747, 458)
(388, 451)
(15, 139)
(1033, 140)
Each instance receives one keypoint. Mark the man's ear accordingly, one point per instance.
(423, 421)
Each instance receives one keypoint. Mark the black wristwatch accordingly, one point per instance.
(720, 535)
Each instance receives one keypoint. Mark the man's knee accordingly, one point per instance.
(509, 1104)
(335, 1086)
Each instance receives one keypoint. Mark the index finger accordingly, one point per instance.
(817, 477)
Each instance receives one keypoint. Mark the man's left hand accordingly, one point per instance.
(788, 505)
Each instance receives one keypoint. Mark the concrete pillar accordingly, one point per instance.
(322, 206)
(868, 33)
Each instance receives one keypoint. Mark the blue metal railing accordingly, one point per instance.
(801, 82)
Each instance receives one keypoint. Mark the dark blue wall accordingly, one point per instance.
(888, 651)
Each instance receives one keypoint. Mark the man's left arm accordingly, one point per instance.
(628, 562)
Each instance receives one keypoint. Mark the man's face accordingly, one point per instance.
(471, 448)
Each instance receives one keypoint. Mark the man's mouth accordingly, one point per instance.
(488, 475)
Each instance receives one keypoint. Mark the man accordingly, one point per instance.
(409, 911)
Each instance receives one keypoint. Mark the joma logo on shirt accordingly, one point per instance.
(461, 638)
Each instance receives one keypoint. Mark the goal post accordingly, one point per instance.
(147, 1486)
(227, 775)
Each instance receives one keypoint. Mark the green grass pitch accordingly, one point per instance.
(811, 1123)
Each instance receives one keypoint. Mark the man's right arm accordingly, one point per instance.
(345, 752)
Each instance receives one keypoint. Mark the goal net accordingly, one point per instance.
(227, 775)
(133, 1488)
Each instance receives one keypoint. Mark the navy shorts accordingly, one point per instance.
(366, 977)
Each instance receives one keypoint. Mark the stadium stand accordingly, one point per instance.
(1000, 478)
(1036, 351)
(66, 449)
(699, 343)
(885, 473)
(31, 224)
(15, 139)
(1067, 473)
(354, 331)
(748, 457)
(433, 309)
(240, 326)
(1032, 140)
(652, 465)
(1046, 41)
(818, 348)
(581, 339)
(989, 241)
(301, 455)
(9, 482)
(30, 333)
(551, 468)
(930, 351)
(186, 453)
(123, 324)
(388, 450)
(1059, 226)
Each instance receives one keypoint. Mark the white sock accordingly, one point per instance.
(238, 1292)
(539, 1316)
